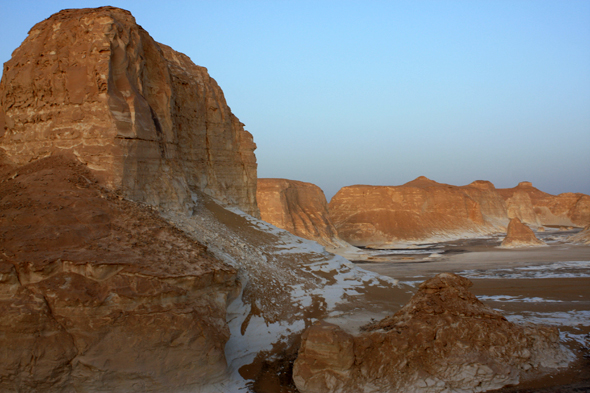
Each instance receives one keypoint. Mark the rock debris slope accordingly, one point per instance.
(519, 235)
(443, 340)
(150, 122)
(101, 294)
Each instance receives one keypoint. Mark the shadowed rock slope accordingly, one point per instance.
(443, 340)
(100, 294)
(149, 121)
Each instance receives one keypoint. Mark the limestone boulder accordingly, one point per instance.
(443, 340)
(299, 208)
(149, 122)
(520, 235)
(418, 211)
(98, 293)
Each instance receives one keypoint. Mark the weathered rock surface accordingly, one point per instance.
(582, 237)
(149, 121)
(100, 294)
(520, 235)
(444, 339)
(536, 208)
(299, 208)
(421, 210)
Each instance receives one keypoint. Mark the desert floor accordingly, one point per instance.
(544, 285)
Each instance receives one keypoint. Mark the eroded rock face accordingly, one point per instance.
(149, 121)
(583, 237)
(536, 208)
(100, 294)
(444, 339)
(520, 235)
(299, 208)
(380, 216)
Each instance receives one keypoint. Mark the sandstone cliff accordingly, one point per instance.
(152, 124)
(100, 294)
(536, 208)
(519, 235)
(418, 211)
(443, 340)
(299, 208)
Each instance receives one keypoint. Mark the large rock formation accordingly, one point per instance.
(150, 122)
(519, 235)
(536, 208)
(299, 208)
(100, 294)
(443, 340)
(418, 211)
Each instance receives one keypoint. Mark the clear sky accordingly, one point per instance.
(380, 92)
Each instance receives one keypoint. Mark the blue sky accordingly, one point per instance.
(380, 92)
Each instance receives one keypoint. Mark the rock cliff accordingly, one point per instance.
(443, 340)
(151, 123)
(519, 235)
(536, 208)
(101, 294)
(418, 211)
(299, 208)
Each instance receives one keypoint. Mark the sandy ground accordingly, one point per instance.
(526, 285)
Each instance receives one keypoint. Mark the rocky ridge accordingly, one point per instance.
(443, 340)
(144, 117)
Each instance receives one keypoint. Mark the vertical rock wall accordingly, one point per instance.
(150, 122)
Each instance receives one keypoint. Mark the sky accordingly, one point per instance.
(338, 93)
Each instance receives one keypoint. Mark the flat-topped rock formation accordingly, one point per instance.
(443, 340)
(520, 235)
(536, 208)
(100, 294)
(151, 123)
(299, 208)
(421, 210)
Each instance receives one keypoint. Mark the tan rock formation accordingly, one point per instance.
(519, 235)
(421, 210)
(299, 208)
(444, 339)
(150, 122)
(536, 208)
(582, 237)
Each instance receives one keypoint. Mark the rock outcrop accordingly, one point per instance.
(98, 293)
(520, 235)
(444, 339)
(582, 237)
(418, 211)
(299, 208)
(536, 208)
(151, 123)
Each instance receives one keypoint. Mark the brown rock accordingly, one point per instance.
(582, 237)
(150, 122)
(519, 235)
(444, 339)
(421, 210)
(299, 208)
(100, 294)
(536, 208)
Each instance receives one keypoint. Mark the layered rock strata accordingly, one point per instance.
(299, 208)
(421, 210)
(443, 340)
(100, 294)
(520, 235)
(149, 121)
(536, 208)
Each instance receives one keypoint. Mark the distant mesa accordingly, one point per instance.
(417, 348)
(144, 117)
(520, 235)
